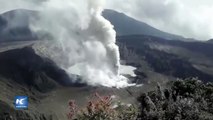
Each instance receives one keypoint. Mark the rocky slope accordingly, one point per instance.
(24, 70)
(171, 58)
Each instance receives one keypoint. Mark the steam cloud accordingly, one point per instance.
(82, 40)
(86, 38)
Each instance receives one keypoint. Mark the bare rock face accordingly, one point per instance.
(25, 67)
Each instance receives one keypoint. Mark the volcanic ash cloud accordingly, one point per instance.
(86, 38)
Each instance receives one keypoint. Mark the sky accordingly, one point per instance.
(189, 18)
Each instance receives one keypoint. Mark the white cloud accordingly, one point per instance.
(189, 18)
(6, 5)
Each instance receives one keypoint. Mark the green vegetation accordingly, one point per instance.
(188, 99)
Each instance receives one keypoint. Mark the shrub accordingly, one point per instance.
(101, 108)
(72, 110)
(188, 99)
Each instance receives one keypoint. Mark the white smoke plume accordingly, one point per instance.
(86, 37)
(82, 40)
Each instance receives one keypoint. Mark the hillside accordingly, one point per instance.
(125, 25)
(24, 71)
(210, 41)
(14, 25)
(171, 58)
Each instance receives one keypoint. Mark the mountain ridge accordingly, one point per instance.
(125, 25)
(11, 30)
